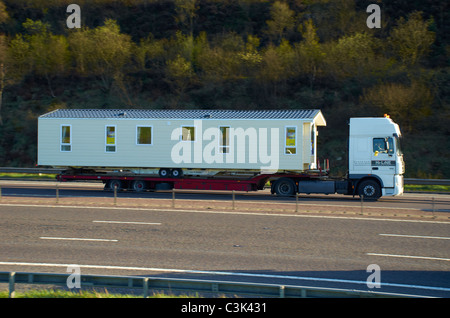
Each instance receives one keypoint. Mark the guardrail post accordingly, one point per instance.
(233, 197)
(115, 194)
(12, 281)
(145, 285)
(282, 288)
(362, 205)
(173, 198)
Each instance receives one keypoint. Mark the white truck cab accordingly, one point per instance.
(376, 163)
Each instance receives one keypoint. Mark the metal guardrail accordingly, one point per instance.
(411, 181)
(184, 285)
(427, 181)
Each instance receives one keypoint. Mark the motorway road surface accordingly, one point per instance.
(294, 248)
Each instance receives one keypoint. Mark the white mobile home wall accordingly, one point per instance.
(88, 138)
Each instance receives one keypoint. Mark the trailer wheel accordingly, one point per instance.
(138, 185)
(177, 173)
(369, 190)
(164, 173)
(115, 184)
(284, 187)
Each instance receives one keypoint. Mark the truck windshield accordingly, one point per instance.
(398, 146)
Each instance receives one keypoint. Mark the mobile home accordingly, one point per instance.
(219, 140)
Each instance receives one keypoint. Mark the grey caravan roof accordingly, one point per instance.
(184, 114)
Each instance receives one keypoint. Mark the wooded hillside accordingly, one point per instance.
(232, 54)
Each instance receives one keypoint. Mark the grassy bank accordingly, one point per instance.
(57, 293)
(427, 188)
(27, 176)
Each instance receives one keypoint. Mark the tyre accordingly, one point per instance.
(115, 184)
(284, 187)
(138, 185)
(369, 190)
(177, 173)
(164, 173)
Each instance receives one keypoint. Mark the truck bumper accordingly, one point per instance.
(397, 189)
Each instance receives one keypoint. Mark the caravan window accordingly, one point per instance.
(224, 139)
(144, 135)
(291, 143)
(110, 139)
(66, 138)
(188, 133)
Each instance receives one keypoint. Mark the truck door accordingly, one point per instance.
(383, 160)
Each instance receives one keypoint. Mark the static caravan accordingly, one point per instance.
(219, 140)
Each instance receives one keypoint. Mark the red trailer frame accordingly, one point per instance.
(140, 183)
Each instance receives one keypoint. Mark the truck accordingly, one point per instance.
(242, 150)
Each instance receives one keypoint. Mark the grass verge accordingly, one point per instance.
(58, 293)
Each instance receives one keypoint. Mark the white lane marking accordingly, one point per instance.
(124, 222)
(76, 239)
(227, 212)
(148, 269)
(411, 256)
(418, 236)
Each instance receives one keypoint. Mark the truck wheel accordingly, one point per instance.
(138, 185)
(115, 184)
(369, 190)
(284, 187)
(164, 173)
(177, 173)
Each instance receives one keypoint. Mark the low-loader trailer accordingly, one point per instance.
(218, 150)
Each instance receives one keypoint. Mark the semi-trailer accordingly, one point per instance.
(218, 150)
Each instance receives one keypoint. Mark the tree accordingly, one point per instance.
(40, 52)
(179, 74)
(277, 66)
(4, 64)
(411, 39)
(309, 52)
(351, 56)
(282, 20)
(405, 103)
(185, 10)
(103, 52)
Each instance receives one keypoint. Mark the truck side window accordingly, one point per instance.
(383, 145)
(379, 145)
